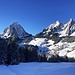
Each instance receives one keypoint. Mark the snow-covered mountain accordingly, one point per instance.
(69, 28)
(58, 38)
(60, 28)
(15, 29)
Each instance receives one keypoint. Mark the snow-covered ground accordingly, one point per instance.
(39, 69)
(60, 48)
(40, 42)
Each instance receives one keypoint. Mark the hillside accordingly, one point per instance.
(56, 43)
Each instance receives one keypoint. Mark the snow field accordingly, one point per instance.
(39, 69)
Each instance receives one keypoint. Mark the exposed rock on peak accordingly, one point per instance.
(71, 21)
(60, 28)
(15, 28)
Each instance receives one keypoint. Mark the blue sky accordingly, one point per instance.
(35, 15)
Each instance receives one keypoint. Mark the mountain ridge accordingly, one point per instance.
(56, 41)
(60, 28)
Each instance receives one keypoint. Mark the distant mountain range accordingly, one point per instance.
(56, 39)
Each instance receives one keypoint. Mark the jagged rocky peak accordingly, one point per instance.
(71, 21)
(60, 28)
(56, 24)
(15, 29)
(69, 28)
(15, 23)
(52, 28)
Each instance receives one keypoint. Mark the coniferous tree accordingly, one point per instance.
(3, 51)
(13, 54)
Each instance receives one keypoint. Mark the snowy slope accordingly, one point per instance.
(39, 69)
(67, 49)
(60, 48)
(6, 71)
(40, 42)
(73, 34)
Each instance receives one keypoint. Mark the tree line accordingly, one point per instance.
(12, 53)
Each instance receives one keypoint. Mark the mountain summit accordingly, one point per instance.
(60, 28)
(15, 29)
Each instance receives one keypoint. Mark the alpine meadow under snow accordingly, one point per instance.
(39, 69)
